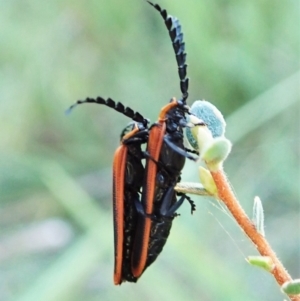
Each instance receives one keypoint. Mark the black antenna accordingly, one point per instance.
(174, 28)
(136, 116)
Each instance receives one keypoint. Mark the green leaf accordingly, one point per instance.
(215, 153)
(258, 216)
(292, 287)
(264, 262)
(207, 181)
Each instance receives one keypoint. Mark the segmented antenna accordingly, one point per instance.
(136, 116)
(174, 28)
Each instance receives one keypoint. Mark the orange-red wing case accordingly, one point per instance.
(119, 165)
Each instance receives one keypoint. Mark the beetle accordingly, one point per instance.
(128, 176)
(128, 173)
(165, 160)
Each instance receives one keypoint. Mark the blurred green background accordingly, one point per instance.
(56, 239)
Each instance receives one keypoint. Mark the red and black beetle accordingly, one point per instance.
(128, 177)
(165, 160)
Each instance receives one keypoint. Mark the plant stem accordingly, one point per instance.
(226, 195)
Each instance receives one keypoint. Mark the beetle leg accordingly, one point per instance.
(191, 151)
(179, 150)
(193, 206)
(166, 210)
(159, 164)
(140, 209)
(168, 171)
(139, 136)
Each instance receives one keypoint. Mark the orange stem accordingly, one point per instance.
(226, 194)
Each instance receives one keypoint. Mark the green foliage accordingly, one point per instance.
(263, 262)
(292, 287)
(258, 216)
(242, 56)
